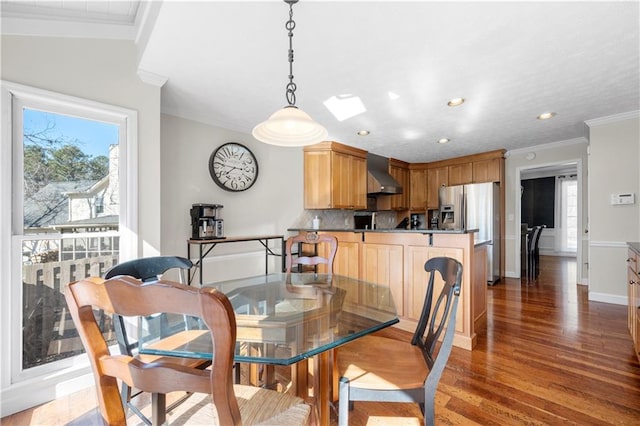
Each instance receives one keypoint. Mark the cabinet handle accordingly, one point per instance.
(632, 282)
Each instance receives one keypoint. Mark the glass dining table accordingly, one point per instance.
(287, 319)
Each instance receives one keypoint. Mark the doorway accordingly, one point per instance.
(559, 207)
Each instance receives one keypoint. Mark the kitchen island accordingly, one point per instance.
(395, 258)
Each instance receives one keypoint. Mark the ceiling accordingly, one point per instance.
(226, 64)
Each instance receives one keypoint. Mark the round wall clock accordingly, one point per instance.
(233, 167)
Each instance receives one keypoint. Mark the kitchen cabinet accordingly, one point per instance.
(633, 297)
(335, 177)
(460, 174)
(487, 170)
(347, 259)
(417, 278)
(436, 178)
(396, 260)
(383, 264)
(418, 189)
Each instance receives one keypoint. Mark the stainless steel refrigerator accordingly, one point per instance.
(480, 203)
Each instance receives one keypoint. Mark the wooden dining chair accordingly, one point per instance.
(216, 400)
(319, 242)
(149, 269)
(375, 368)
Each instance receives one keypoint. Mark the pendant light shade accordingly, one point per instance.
(290, 126)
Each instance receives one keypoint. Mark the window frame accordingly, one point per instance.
(14, 97)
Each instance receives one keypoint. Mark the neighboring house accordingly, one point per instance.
(74, 207)
(80, 206)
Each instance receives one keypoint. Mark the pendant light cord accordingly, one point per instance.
(291, 86)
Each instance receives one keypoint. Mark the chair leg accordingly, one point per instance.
(429, 412)
(343, 402)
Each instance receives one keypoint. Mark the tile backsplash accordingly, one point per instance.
(342, 219)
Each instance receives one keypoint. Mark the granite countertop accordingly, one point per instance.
(479, 243)
(388, 231)
(635, 246)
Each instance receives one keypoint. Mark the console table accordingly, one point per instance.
(206, 246)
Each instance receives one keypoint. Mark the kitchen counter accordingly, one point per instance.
(480, 243)
(395, 258)
(393, 230)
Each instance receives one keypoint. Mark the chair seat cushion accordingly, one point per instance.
(380, 363)
(258, 406)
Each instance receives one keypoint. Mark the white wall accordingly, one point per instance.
(613, 168)
(574, 150)
(102, 71)
(269, 207)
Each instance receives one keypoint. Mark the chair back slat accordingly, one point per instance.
(434, 316)
(315, 239)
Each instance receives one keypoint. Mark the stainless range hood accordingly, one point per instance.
(379, 180)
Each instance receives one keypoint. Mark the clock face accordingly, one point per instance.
(233, 167)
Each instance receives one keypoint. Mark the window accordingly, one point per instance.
(568, 213)
(66, 197)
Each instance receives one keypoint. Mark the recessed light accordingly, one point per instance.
(546, 115)
(443, 140)
(363, 133)
(455, 102)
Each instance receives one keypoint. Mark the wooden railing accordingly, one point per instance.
(47, 329)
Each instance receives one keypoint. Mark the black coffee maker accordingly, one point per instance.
(206, 222)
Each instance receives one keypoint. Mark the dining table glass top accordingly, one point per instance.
(282, 318)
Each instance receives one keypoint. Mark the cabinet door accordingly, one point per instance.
(349, 182)
(632, 286)
(341, 174)
(383, 264)
(401, 175)
(317, 180)
(631, 314)
(486, 170)
(347, 260)
(418, 280)
(461, 174)
(435, 179)
(358, 183)
(418, 189)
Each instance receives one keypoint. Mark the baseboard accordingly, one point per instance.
(608, 298)
(29, 393)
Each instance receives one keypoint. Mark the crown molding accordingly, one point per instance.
(551, 145)
(151, 78)
(612, 118)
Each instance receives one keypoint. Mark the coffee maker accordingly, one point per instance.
(206, 222)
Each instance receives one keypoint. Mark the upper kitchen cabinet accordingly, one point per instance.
(417, 187)
(460, 174)
(487, 170)
(399, 170)
(335, 177)
(436, 178)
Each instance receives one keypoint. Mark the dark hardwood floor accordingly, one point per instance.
(548, 357)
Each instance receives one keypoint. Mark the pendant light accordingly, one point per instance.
(290, 126)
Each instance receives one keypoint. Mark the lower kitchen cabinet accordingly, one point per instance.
(347, 259)
(633, 297)
(383, 264)
(417, 279)
(396, 261)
